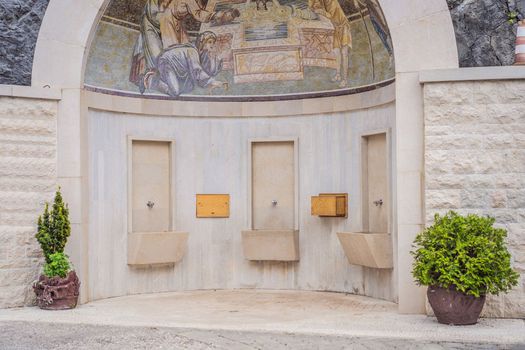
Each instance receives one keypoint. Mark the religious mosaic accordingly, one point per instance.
(250, 48)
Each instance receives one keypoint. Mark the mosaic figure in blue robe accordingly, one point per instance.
(185, 66)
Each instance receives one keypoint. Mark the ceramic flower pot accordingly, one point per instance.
(454, 307)
(57, 293)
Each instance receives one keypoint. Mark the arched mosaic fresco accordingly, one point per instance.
(266, 49)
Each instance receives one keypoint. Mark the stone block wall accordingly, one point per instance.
(28, 137)
(475, 163)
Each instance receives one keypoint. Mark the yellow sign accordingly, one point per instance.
(330, 204)
(213, 205)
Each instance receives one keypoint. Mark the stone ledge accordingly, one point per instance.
(285, 108)
(30, 92)
(472, 74)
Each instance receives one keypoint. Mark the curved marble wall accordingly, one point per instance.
(329, 161)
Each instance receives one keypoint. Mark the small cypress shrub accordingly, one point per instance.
(58, 266)
(466, 252)
(54, 227)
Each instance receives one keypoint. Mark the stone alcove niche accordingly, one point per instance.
(93, 123)
(282, 55)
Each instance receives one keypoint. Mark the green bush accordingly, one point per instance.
(467, 252)
(58, 265)
(54, 227)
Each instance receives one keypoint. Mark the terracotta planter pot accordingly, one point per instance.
(454, 307)
(57, 293)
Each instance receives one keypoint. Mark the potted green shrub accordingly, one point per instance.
(462, 259)
(58, 287)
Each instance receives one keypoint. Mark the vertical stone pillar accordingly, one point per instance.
(409, 178)
(71, 176)
(423, 38)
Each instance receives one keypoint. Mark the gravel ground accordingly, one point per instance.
(39, 335)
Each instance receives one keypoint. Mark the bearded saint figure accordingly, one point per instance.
(182, 67)
(162, 28)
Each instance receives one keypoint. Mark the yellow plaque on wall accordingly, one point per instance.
(330, 205)
(213, 205)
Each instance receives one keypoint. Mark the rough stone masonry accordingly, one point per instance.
(486, 30)
(19, 25)
(475, 163)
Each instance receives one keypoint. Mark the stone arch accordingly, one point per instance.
(423, 39)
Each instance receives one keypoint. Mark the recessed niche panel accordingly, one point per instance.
(273, 185)
(240, 49)
(375, 186)
(273, 236)
(150, 186)
(373, 247)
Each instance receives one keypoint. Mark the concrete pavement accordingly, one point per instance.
(247, 319)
